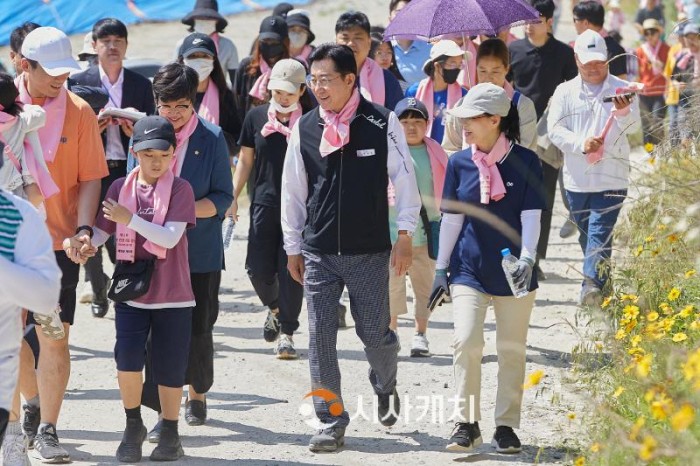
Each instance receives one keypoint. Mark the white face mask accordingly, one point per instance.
(298, 39)
(203, 66)
(205, 26)
(280, 109)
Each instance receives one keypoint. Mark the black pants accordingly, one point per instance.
(200, 366)
(266, 264)
(94, 272)
(4, 417)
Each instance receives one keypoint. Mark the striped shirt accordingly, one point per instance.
(10, 221)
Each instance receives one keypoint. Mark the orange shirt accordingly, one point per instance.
(654, 84)
(80, 157)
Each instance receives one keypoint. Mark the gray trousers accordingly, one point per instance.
(366, 277)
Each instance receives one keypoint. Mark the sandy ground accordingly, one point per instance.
(256, 406)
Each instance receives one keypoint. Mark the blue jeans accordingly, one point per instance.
(595, 215)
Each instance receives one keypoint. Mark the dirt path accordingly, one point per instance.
(256, 404)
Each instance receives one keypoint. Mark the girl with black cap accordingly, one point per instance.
(206, 19)
(253, 74)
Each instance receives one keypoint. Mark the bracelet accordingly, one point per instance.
(440, 272)
(87, 228)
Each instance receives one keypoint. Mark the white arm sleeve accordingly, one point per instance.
(530, 220)
(450, 228)
(165, 236)
(400, 169)
(294, 194)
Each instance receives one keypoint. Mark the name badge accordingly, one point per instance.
(365, 152)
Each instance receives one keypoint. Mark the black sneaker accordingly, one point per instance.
(195, 412)
(30, 423)
(130, 449)
(388, 408)
(342, 311)
(465, 437)
(169, 447)
(100, 302)
(328, 440)
(505, 440)
(154, 434)
(569, 229)
(271, 329)
(47, 448)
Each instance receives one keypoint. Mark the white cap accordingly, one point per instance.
(590, 46)
(51, 48)
(444, 47)
(88, 49)
(287, 75)
(484, 98)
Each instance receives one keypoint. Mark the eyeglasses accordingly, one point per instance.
(576, 20)
(178, 109)
(321, 82)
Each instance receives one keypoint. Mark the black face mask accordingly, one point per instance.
(270, 51)
(450, 76)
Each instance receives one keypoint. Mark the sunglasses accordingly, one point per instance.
(651, 32)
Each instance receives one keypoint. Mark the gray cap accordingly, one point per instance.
(287, 75)
(484, 98)
(690, 28)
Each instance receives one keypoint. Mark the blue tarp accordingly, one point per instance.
(76, 16)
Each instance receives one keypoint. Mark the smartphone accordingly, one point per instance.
(611, 97)
(437, 297)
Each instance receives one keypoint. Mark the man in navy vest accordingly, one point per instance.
(335, 219)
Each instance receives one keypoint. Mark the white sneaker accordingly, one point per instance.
(86, 295)
(285, 347)
(14, 450)
(419, 347)
(51, 325)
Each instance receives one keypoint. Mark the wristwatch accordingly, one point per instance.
(86, 228)
(406, 232)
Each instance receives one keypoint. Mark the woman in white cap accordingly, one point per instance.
(492, 65)
(206, 19)
(492, 200)
(440, 90)
(263, 142)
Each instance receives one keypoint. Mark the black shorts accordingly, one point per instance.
(69, 282)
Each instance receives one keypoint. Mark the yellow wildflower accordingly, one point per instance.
(652, 316)
(672, 238)
(631, 325)
(683, 418)
(647, 448)
(667, 323)
(606, 302)
(691, 368)
(533, 379)
(661, 227)
(638, 252)
(643, 366)
(674, 294)
(687, 311)
(680, 336)
(638, 424)
(580, 461)
(633, 351)
(636, 340)
(695, 325)
(595, 448)
(665, 308)
(649, 148)
(571, 416)
(690, 273)
(661, 407)
(649, 239)
(621, 334)
(618, 392)
(631, 311)
(630, 297)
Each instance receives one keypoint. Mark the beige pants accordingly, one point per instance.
(421, 273)
(512, 321)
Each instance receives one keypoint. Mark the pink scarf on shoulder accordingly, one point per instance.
(259, 90)
(209, 108)
(490, 180)
(426, 95)
(372, 82)
(305, 53)
(273, 125)
(467, 77)
(128, 197)
(182, 137)
(438, 168)
(336, 128)
(215, 37)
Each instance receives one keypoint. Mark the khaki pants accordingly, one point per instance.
(512, 321)
(421, 273)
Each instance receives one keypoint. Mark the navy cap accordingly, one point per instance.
(411, 104)
(273, 27)
(198, 42)
(153, 132)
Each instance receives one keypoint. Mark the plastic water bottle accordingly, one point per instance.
(227, 228)
(510, 265)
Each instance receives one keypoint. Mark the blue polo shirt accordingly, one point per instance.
(439, 106)
(476, 258)
(410, 62)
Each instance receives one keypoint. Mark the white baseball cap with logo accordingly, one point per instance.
(590, 46)
(287, 75)
(51, 48)
(482, 99)
(441, 48)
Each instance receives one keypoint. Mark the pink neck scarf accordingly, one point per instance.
(336, 129)
(652, 54)
(304, 54)
(438, 167)
(259, 90)
(182, 137)
(215, 37)
(32, 152)
(510, 92)
(128, 197)
(426, 95)
(273, 125)
(467, 77)
(209, 108)
(50, 134)
(372, 82)
(490, 181)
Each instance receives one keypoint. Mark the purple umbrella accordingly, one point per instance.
(430, 19)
